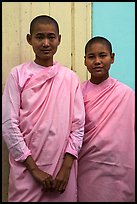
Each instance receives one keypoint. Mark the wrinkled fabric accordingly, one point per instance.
(106, 170)
(43, 117)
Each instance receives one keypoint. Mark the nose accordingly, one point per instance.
(45, 42)
(97, 60)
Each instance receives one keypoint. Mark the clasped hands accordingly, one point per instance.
(57, 184)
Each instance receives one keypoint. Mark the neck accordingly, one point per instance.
(44, 63)
(98, 80)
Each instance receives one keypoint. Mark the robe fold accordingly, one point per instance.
(106, 170)
(43, 116)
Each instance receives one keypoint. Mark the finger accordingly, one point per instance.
(45, 188)
(62, 191)
(62, 188)
(56, 185)
(47, 184)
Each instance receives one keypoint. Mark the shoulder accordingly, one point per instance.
(119, 85)
(125, 90)
(84, 84)
(19, 74)
(69, 72)
(124, 87)
(67, 69)
(20, 67)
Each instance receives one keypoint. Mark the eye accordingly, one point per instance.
(103, 55)
(39, 37)
(51, 37)
(91, 57)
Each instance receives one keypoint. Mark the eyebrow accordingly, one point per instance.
(99, 53)
(43, 34)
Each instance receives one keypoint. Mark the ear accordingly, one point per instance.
(59, 38)
(85, 60)
(29, 37)
(112, 57)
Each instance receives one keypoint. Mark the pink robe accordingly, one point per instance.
(43, 116)
(106, 170)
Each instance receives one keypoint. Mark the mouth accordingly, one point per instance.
(98, 69)
(46, 51)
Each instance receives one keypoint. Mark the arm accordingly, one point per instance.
(12, 134)
(10, 119)
(74, 143)
(77, 128)
(40, 176)
(62, 177)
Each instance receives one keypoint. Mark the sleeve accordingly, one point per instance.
(78, 121)
(10, 120)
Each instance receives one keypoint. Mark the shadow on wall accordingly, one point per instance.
(5, 172)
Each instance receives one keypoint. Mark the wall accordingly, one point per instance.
(74, 20)
(75, 27)
(116, 21)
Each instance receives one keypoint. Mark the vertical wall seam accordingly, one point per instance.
(20, 31)
(73, 36)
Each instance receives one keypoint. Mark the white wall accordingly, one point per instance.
(74, 20)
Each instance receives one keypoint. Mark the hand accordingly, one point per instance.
(40, 176)
(61, 180)
(43, 178)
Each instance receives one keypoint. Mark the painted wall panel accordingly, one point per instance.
(82, 28)
(24, 20)
(16, 26)
(10, 37)
(62, 13)
(116, 21)
(74, 20)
